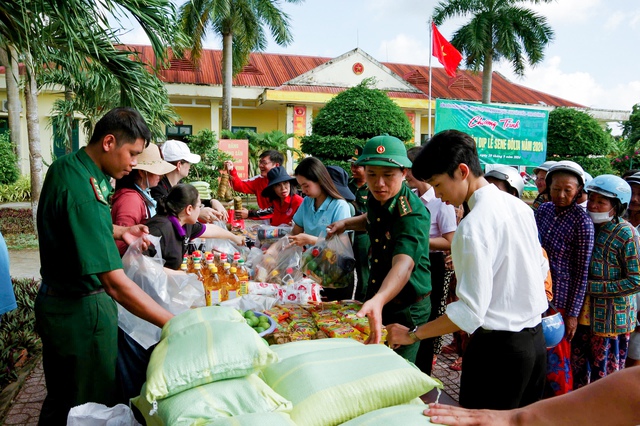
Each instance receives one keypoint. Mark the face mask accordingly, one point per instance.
(600, 217)
(149, 201)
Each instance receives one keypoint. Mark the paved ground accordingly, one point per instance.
(24, 263)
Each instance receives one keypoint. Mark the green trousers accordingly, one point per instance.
(411, 316)
(361, 253)
(80, 347)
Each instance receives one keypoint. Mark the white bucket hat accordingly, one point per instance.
(151, 161)
(174, 150)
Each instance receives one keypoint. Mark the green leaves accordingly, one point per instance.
(9, 172)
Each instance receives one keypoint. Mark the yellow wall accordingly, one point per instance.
(262, 120)
(199, 118)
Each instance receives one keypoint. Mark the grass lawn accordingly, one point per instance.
(21, 241)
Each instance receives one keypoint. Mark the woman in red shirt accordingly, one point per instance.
(285, 200)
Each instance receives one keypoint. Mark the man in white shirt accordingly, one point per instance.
(496, 255)
(443, 225)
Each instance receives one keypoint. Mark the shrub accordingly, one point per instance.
(17, 330)
(575, 133)
(351, 118)
(9, 172)
(17, 191)
(16, 221)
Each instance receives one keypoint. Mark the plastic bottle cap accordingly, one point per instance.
(236, 256)
(241, 262)
(213, 269)
(315, 252)
(197, 266)
(289, 271)
(223, 256)
(274, 272)
(226, 265)
(233, 270)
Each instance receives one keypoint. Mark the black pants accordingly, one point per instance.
(502, 370)
(424, 359)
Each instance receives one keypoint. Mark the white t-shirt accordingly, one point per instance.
(499, 265)
(443, 215)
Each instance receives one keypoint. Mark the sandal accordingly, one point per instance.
(457, 365)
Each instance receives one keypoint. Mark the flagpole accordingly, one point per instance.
(430, 56)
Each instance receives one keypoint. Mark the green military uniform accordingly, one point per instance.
(77, 320)
(361, 240)
(399, 226)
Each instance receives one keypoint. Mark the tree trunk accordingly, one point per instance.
(33, 130)
(8, 58)
(227, 79)
(68, 96)
(487, 74)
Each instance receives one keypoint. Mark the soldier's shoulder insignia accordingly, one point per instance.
(97, 191)
(404, 207)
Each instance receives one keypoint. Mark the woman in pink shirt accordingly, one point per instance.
(132, 203)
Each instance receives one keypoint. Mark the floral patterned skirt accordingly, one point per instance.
(594, 357)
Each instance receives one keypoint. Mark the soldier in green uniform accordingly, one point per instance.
(398, 227)
(358, 185)
(76, 315)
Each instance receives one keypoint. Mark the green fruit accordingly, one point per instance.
(249, 314)
(259, 329)
(254, 321)
(263, 319)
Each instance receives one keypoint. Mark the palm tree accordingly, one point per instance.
(77, 33)
(498, 29)
(240, 23)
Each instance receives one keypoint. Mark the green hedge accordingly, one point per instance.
(18, 191)
(9, 172)
(17, 330)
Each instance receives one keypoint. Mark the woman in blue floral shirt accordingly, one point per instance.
(614, 278)
(566, 233)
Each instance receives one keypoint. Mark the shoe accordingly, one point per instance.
(457, 365)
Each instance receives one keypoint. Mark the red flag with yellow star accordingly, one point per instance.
(447, 55)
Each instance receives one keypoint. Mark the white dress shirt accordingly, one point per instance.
(498, 262)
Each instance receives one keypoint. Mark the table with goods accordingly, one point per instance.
(253, 343)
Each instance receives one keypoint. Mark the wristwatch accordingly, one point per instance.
(412, 334)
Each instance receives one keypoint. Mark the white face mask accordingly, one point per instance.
(600, 217)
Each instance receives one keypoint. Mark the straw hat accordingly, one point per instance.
(151, 161)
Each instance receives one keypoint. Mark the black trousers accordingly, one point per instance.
(424, 359)
(502, 370)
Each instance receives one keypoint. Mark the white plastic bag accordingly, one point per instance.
(175, 293)
(93, 414)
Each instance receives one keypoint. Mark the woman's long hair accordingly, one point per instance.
(179, 197)
(312, 169)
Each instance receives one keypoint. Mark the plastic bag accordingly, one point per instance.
(222, 245)
(280, 263)
(176, 293)
(93, 414)
(330, 262)
(268, 235)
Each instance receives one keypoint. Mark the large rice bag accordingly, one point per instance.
(263, 419)
(329, 386)
(405, 415)
(194, 316)
(203, 353)
(213, 401)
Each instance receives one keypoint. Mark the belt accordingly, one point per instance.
(421, 298)
(524, 330)
(45, 289)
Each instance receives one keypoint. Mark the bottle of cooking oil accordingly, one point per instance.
(233, 283)
(224, 282)
(243, 278)
(212, 286)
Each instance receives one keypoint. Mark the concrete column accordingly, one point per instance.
(215, 117)
(290, 141)
(417, 128)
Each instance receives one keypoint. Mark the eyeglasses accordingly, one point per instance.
(265, 163)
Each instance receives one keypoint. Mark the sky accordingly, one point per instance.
(591, 60)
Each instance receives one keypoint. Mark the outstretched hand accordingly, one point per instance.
(134, 232)
(458, 416)
(372, 309)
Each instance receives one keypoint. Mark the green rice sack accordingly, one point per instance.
(203, 353)
(198, 315)
(222, 399)
(329, 387)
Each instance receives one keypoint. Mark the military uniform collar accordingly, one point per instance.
(399, 201)
(352, 181)
(91, 166)
(99, 180)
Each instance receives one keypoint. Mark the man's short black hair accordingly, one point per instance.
(275, 156)
(444, 152)
(126, 124)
